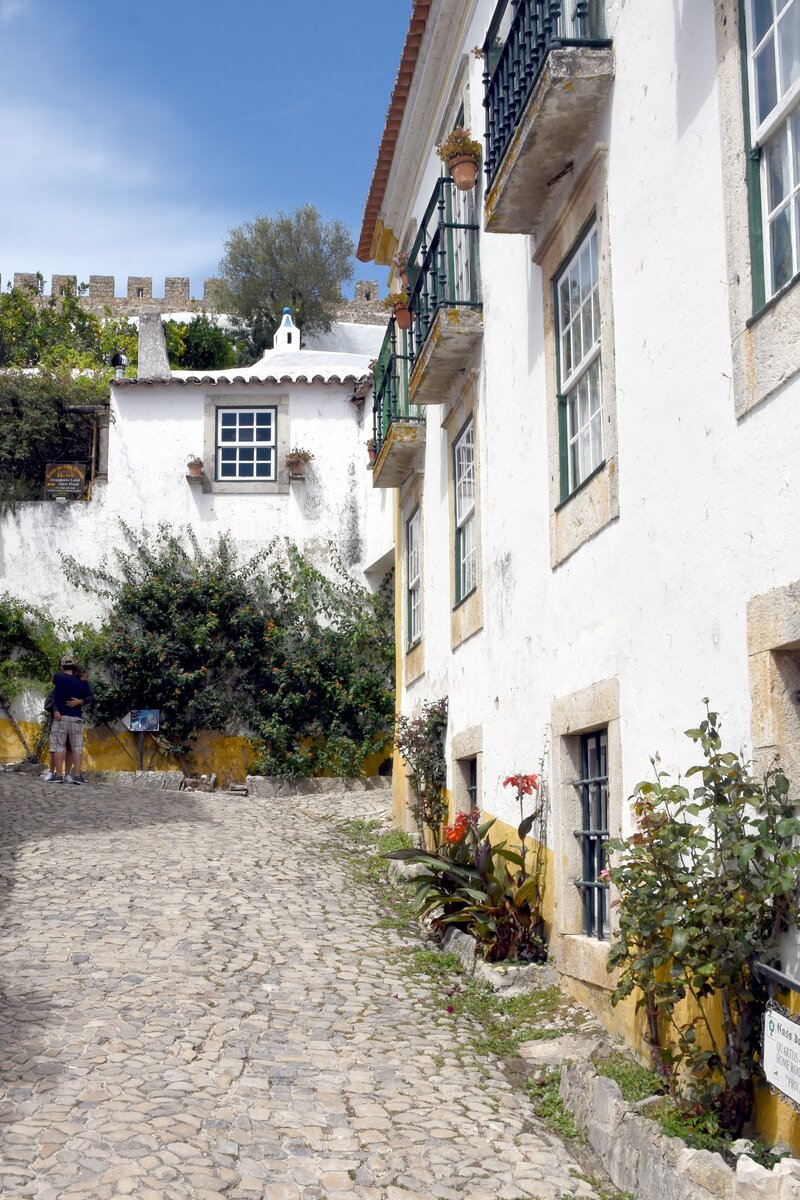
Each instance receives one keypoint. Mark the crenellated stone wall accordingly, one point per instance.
(100, 295)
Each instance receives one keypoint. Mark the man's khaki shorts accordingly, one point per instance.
(68, 729)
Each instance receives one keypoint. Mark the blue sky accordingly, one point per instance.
(133, 136)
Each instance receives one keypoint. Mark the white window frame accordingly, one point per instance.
(413, 580)
(779, 122)
(255, 444)
(466, 545)
(584, 369)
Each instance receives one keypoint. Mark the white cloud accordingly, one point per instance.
(79, 197)
(12, 8)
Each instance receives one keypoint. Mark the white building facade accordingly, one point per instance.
(592, 426)
(241, 423)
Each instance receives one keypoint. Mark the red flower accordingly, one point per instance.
(455, 833)
(525, 784)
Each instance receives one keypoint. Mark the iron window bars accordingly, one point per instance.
(592, 790)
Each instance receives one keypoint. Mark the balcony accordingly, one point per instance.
(548, 69)
(444, 298)
(397, 426)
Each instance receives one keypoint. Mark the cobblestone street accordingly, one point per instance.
(196, 1001)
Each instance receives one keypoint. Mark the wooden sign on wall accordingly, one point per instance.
(64, 479)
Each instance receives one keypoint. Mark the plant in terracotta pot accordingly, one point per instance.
(296, 460)
(194, 466)
(398, 303)
(462, 154)
(372, 451)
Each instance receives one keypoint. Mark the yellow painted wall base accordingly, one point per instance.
(227, 756)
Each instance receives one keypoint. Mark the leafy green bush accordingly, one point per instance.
(29, 653)
(198, 345)
(300, 662)
(707, 883)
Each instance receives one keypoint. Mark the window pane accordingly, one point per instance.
(227, 470)
(583, 402)
(762, 18)
(566, 355)
(228, 455)
(789, 44)
(228, 418)
(780, 240)
(795, 122)
(227, 435)
(565, 309)
(777, 153)
(263, 418)
(586, 271)
(246, 454)
(766, 84)
(262, 470)
(595, 384)
(597, 442)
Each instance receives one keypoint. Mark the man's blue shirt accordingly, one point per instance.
(70, 687)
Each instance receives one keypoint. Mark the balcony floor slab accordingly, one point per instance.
(400, 454)
(446, 354)
(566, 99)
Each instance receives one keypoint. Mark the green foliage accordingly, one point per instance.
(635, 1081)
(271, 647)
(29, 653)
(468, 883)
(707, 883)
(58, 334)
(38, 425)
(198, 345)
(30, 648)
(292, 259)
(543, 1090)
(420, 740)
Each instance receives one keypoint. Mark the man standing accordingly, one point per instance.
(70, 693)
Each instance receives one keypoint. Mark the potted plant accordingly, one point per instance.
(462, 155)
(398, 303)
(296, 461)
(194, 466)
(372, 451)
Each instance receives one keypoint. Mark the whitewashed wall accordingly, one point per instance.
(709, 507)
(153, 430)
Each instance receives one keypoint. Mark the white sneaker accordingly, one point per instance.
(69, 779)
(47, 776)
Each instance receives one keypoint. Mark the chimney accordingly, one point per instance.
(287, 335)
(153, 358)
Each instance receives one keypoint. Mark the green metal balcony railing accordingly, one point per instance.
(443, 263)
(519, 39)
(392, 368)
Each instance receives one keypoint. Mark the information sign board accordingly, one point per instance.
(143, 720)
(782, 1053)
(64, 479)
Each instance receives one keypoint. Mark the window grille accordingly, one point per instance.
(592, 790)
(472, 782)
(579, 366)
(466, 549)
(246, 443)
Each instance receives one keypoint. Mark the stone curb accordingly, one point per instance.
(640, 1159)
(273, 787)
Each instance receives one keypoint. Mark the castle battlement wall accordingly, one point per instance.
(101, 294)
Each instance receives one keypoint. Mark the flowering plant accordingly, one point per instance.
(484, 887)
(459, 144)
(298, 455)
(395, 300)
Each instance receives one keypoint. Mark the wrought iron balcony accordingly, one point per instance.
(447, 320)
(548, 67)
(397, 426)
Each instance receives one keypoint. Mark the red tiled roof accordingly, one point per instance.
(394, 119)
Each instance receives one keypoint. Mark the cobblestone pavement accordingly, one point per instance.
(196, 1002)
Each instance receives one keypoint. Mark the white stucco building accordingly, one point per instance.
(592, 428)
(241, 423)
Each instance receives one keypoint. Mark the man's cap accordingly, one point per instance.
(68, 661)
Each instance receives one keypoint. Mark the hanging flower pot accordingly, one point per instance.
(462, 154)
(398, 303)
(372, 451)
(296, 461)
(194, 466)
(464, 170)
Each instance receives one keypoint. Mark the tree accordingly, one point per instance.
(58, 334)
(291, 260)
(199, 345)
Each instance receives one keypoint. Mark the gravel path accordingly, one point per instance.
(197, 1002)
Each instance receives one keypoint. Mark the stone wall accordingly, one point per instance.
(101, 290)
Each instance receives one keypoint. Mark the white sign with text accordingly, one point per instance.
(782, 1053)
